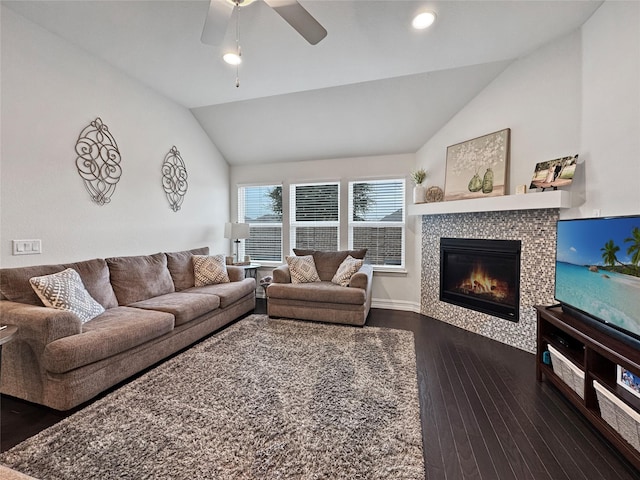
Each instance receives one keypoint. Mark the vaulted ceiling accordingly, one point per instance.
(373, 86)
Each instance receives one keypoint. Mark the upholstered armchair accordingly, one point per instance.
(340, 293)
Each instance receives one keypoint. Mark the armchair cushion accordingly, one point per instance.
(317, 293)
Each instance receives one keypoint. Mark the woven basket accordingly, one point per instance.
(622, 418)
(567, 371)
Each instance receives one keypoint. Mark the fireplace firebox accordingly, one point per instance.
(482, 275)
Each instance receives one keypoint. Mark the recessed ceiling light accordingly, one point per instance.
(423, 20)
(232, 58)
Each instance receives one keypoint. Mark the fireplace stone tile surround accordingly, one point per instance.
(536, 229)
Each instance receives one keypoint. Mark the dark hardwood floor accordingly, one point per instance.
(483, 414)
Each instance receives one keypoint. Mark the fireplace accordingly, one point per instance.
(482, 275)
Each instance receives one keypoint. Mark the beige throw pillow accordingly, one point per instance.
(209, 270)
(345, 271)
(302, 269)
(65, 291)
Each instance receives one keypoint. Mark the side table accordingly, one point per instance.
(264, 283)
(6, 335)
(251, 270)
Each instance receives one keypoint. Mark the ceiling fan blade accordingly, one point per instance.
(215, 25)
(298, 17)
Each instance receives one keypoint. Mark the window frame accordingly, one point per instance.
(253, 226)
(402, 224)
(294, 224)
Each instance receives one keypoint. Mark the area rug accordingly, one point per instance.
(263, 399)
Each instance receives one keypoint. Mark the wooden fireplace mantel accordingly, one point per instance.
(528, 201)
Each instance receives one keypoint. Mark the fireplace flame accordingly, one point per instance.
(480, 282)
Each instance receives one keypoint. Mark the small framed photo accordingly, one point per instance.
(554, 173)
(628, 381)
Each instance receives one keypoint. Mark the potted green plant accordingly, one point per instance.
(419, 190)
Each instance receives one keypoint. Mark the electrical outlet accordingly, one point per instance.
(27, 247)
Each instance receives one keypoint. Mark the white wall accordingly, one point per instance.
(578, 94)
(50, 92)
(537, 97)
(390, 290)
(611, 110)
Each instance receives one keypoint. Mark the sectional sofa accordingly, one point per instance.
(152, 309)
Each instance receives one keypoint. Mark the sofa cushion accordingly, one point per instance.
(183, 306)
(115, 331)
(65, 291)
(15, 286)
(140, 277)
(322, 292)
(228, 293)
(345, 271)
(210, 270)
(327, 263)
(302, 269)
(95, 276)
(180, 265)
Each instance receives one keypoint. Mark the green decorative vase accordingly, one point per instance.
(487, 181)
(475, 184)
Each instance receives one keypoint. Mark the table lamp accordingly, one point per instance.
(236, 231)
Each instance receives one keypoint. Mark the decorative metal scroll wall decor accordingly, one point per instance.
(98, 161)
(174, 178)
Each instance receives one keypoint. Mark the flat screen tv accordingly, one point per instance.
(598, 273)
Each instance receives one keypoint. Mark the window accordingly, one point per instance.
(315, 216)
(377, 220)
(261, 208)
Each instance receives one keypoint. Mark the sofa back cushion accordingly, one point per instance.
(180, 265)
(327, 263)
(15, 286)
(95, 276)
(140, 277)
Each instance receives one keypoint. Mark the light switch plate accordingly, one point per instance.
(27, 247)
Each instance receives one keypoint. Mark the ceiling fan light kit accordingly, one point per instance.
(423, 20)
(232, 58)
(220, 12)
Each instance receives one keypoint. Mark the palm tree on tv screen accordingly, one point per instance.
(609, 252)
(634, 249)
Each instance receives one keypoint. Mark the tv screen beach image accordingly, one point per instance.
(598, 269)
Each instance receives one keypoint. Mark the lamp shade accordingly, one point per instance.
(236, 230)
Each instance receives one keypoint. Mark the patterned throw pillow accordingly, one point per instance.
(65, 291)
(302, 269)
(209, 270)
(347, 268)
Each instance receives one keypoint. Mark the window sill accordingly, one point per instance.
(400, 271)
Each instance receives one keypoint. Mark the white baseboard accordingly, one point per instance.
(396, 305)
(402, 305)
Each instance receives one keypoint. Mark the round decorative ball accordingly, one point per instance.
(434, 194)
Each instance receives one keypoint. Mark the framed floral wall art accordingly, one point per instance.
(478, 168)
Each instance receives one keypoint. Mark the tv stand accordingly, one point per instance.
(597, 355)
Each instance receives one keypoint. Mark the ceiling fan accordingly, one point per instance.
(291, 11)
